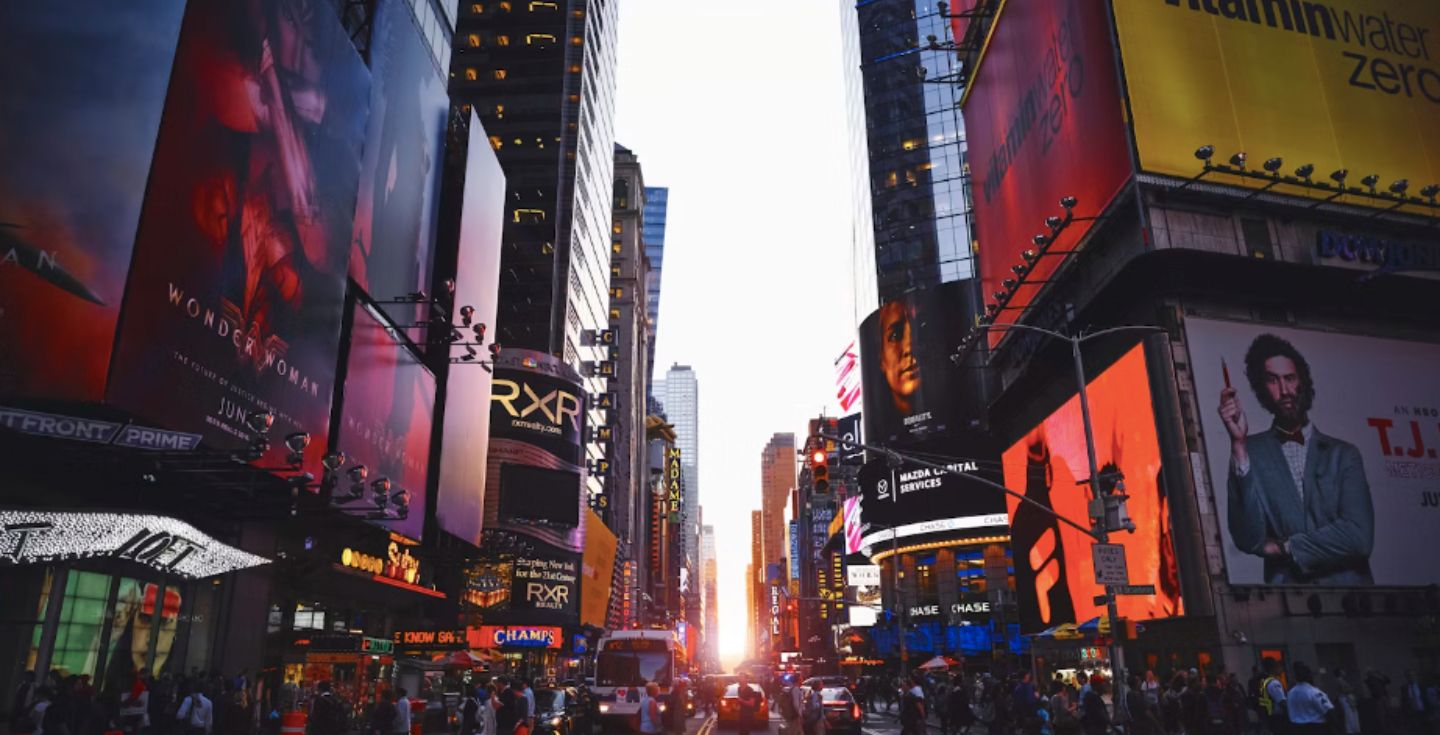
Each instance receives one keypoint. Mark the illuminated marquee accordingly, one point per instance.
(398, 564)
(166, 544)
(517, 636)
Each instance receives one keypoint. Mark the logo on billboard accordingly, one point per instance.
(547, 596)
(882, 490)
(555, 406)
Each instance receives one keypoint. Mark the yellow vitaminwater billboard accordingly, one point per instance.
(1339, 84)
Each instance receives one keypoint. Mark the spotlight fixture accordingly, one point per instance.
(1030, 256)
(1068, 202)
(1430, 191)
(256, 449)
(992, 308)
(358, 474)
(1205, 153)
(1273, 164)
(932, 43)
(1238, 160)
(450, 286)
(1399, 186)
(1054, 222)
(999, 296)
(467, 314)
(380, 491)
(1020, 269)
(1370, 182)
(333, 461)
(301, 480)
(494, 349)
(400, 498)
(1040, 240)
(1009, 284)
(469, 355)
(416, 296)
(260, 421)
(479, 330)
(298, 441)
(1338, 176)
(1305, 171)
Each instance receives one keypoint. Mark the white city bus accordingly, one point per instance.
(625, 661)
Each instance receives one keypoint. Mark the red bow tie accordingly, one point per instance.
(1297, 436)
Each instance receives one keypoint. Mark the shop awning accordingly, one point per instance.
(159, 542)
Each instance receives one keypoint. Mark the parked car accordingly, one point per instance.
(557, 711)
(842, 713)
(832, 680)
(729, 713)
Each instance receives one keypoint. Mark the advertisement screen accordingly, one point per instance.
(597, 568)
(74, 156)
(537, 411)
(539, 496)
(237, 286)
(910, 387)
(387, 408)
(1347, 84)
(1340, 439)
(390, 248)
(460, 502)
(545, 588)
(1054, 569)
(487, 586)
(1043, 121)
(915, 498)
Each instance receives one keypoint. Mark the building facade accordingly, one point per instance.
(682, 406)
(777, 483)
(657, 209)
(862, 221)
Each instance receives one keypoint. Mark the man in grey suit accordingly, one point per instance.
(1298, 498)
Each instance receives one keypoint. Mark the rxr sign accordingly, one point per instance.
(556, 406)
(547, 596)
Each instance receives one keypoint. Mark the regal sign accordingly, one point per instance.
(166, 544)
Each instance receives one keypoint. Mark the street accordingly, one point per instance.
(881, 723)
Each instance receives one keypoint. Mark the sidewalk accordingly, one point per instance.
(932, 722)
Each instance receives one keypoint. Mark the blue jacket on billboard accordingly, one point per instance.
(1327, 531)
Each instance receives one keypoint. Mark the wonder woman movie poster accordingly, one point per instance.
(84, 86)
(387, 409)
(237, 288)
(390, 248)
(1054, 570)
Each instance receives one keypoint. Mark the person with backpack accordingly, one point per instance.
(813, 712)
(1096, 718)
(327, 713)
(912, 709)
(790, 702)
(749, 701)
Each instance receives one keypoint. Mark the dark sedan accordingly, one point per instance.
(842, 712)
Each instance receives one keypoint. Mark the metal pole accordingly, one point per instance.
(1117, 663)
(895, 579)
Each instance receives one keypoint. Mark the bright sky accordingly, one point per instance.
(739, 108)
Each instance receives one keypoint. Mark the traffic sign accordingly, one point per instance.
(1133, 589)
(1110, 564)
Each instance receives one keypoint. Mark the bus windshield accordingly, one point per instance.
(632, 668)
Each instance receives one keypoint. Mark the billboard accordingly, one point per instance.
(1042, 121)
(597, 568)
(910, 388)
(847, 377)
(537, 409)
(387, 409)
(460, 500)
(915, 498)
(487, 585)
(74, 156)
(390, 246)
(545, 588)
(1054, 574)
(1347, 84)
(237, 285)
(1362, 509)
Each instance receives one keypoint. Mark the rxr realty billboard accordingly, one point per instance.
(1324, 453)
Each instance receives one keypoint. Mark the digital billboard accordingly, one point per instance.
(487, 585)
(545, 588)
(390, 247)
(1323, 451)
(237, 285)
(75, 151)
(910, 387)
(1347, 84)
(597, 570)
(1043, 121)
(537, 495)
(1054, 571)
(917, 500)
(387, 409)
(537, 409)
(460, 500)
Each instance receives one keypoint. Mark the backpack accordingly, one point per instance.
(814, 708)
(786, 701)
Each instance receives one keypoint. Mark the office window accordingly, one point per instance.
(471, 74)
(500, 74)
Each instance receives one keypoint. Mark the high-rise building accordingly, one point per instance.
(709, 585)
(682, 407)
(915, 145)
(777, 481)
(626, 500)
(657, 201)
(541, 77)
(755, 581)
(862, 220)
(752, 633)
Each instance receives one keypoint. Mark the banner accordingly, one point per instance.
(387, 410)
(545, 588)
(75, 151)
(914, 496)
(847, 377)
(850, 430)
(460, 501)
(1054, 572)
(597, 567)
(1368, 451)
(237, 285)
(390, 247)
(1346, 84)
(1043, 121)
(537, 416)
(911, 389)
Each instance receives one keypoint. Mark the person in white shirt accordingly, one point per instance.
(1308, 707)
(402, 712)
(196, 714)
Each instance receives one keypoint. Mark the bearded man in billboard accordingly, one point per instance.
(1298, 498)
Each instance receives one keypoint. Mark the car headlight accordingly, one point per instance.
(555, 722)
(604, 708)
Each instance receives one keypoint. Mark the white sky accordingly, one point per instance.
(739, 109)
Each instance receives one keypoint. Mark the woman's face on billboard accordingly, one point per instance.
(897, 358)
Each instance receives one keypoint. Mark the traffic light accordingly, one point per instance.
(820, 470)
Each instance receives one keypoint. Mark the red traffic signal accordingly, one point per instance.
(820, 471)
(818, 457)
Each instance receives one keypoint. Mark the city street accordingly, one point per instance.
(881, 723)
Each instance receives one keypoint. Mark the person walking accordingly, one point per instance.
(651, 715)
(813, 713)
(470, 711)
(1137, 706)
(402, 712)
(1412, 705)
(382, 718)
(749, 701)
(1272, 699)
(1096, 718)
(1307, 708)
(197, 714)
(958, 704)
(912, 708)
(1064, 712)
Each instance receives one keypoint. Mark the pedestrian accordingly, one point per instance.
(960, 716)
(402, 712)
(1272, 698)
(651, 714)
(135, 706)
(1095, 719)
(1307, 707)
(1172, 709)
(912, 709)
(21, 702)
(1349, 705)
(813, 712)
(506, 710)
(1412, 705)
(1137, 706)
(327, 713)
(1064, 715)
(197, 714)
(749, 702)
(1375, 708)
(470, 712)
(382, 718)
(523, 706)
(1151, 687)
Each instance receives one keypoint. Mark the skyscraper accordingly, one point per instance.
(709, 585)
(657, 207)
(777, 482)
(682, 407)
(915, 145)
(759, 620)
(862, 220)
(541, 76)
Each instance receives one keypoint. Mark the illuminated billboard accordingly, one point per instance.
(1345, 84)
(1054, 574)
(1043, 121)
(387, 408)
(1356, 416)
(237, 285)
(597, 570)
(75, 150)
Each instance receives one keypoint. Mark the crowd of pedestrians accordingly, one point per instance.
(198, 704)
